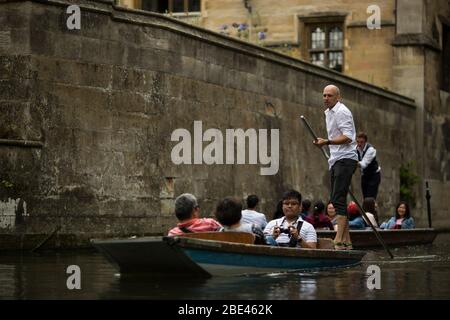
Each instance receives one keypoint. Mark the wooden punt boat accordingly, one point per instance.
(208, 254)
(367, 239)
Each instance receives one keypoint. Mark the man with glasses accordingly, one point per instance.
(187, 211)
(343, 158)
(291, 230)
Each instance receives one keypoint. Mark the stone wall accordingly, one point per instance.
(87, 117)
(417, 71)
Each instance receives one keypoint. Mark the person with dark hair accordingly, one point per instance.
(291, 230)
(370, 208)
(187, 211)
(343, 158)
(318, 217)
(250, 215)
(401, 220)
(331, 214)
(306, 208)
(279, 211)
(229, 214)
(370, 170)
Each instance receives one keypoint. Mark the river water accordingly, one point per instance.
(420, 272)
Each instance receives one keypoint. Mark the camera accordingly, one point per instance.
(287, 231)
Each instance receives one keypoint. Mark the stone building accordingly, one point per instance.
(88, 115)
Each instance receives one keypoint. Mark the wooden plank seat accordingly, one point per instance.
(325, 243)
(246, 238)
(236, 237)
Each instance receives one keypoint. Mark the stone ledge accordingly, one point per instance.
(415, 40)
(22, 143)
(363, 24)
(29, 241)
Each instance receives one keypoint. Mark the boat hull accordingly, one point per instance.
(367, 238)
(165, 256)
(223, 263)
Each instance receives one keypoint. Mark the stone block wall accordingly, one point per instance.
(100, 105)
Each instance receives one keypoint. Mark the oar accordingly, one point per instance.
(46, 239)
(377, 234)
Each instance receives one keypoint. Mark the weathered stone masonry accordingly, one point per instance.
(99, 106)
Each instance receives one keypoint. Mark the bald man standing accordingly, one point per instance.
(343, 158)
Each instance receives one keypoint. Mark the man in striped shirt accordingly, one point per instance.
(187, 211)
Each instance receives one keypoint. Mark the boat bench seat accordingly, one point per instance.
(236, 237)
(325, 243)
(246, 238)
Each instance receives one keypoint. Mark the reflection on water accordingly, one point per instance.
(421, 272)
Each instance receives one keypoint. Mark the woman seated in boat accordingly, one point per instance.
(279, 211)
(187, 211)
(356, 221)
(318, 218)
(331, 213)
(402, 219)
(306, 209)
(229, 214)
(291, 230)
(370, 208)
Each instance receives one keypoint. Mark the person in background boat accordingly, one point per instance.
(331, 213)
(402, 219)
(291, 230)
(279, 211)
(356, 220)
(306, 209)
(370, 170)
(343, 158)
(250, 215)
(370, 208)
(318, 218)
(229, 214)
(187, 211)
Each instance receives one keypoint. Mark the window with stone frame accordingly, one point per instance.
(324, 44)
(172, 6)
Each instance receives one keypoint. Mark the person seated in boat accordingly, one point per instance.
(306, 209)
(291, 230)
(187, 211)
(250, 215)
(279, 211)
(229, 214)
(331, 213)
(370, 208)
(356, 221)
(318, 219)
(401, 220)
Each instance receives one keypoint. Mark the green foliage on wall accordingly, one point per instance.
(408, 180)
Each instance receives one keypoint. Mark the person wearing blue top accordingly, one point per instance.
(402, 219)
